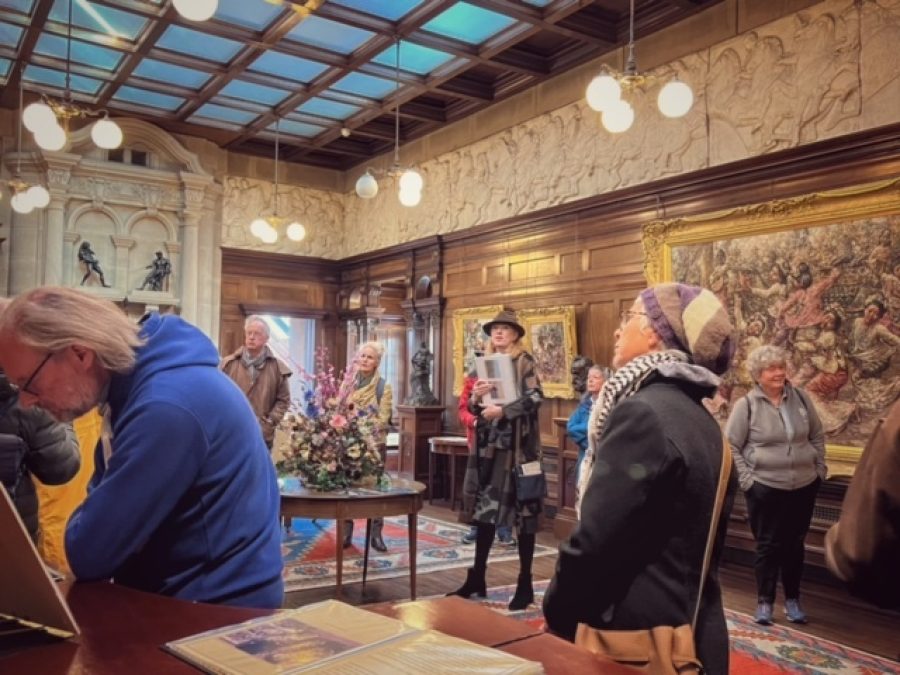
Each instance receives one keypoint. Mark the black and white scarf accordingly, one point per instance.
(254, 365)
(626, 382)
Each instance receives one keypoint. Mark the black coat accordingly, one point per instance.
(635, 558)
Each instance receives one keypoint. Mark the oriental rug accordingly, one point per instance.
(309, 562)
(755, 650)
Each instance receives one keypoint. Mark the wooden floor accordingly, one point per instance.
(834, 614)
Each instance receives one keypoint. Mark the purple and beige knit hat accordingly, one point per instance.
(693, 320)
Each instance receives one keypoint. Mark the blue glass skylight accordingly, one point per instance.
(296, 128)
(365, 85)
(167, 72)
(4, 67)
(195, 43)
(293, 67)
(99, 18)
(392, 10)
(220, 112)
(413, 58)
(253, 92)
(468, 23)
(151, 98)
(331, 35)
(325, 108)
(538, 3)
(10, 35)
(82, 52)
(253, 15)
(23, 6)
(57, 78)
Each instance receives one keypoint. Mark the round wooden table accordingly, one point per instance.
(402, 497)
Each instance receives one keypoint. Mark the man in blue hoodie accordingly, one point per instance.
(184, 500)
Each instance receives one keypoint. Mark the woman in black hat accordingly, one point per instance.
(510, 437)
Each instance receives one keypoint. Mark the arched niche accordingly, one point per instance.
(98, 227)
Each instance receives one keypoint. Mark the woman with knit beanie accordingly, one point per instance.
(509, 437)
(649, 479)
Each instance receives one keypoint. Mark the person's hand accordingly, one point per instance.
(481, 388)
(492, 412)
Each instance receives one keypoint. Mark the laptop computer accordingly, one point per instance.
(29, 598)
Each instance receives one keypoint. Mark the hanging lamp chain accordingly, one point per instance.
(396, 166)
(277, 135)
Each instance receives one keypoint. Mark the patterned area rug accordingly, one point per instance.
(308, 551)
(755, 650)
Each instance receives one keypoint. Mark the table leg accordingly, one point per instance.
(412, 525)
(431, 476)
(452, 460)
(339, 551)
(366, 551)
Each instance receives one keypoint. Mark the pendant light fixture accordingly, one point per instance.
(409, 181)
(24, 196)
(268, 228)
(604, 93)
(48, 119)
(196, 10)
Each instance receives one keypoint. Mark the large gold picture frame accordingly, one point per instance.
(550, 338)
(800, 272)
(469, 337)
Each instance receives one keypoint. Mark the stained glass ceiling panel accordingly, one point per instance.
(256, 93)
(325, 108)
(99, 18)
(414, 58)
(331, 35)
(255, 15)
(169, 73)
(195, 43)
(151, 98)
(57, 79)
(221, 113)
(392, 10)
(82, 52)
(468, 23)
(292, 67)
(365, 85)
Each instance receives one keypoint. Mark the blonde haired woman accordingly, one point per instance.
(371, 392)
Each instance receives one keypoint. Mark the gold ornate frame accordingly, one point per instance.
(660, 237)
(534, 318)
(460, 353)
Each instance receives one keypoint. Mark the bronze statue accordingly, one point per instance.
(580, 367)
(159, 270)
(91, 263)
(419, 386)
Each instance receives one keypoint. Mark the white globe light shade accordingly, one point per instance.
(411, 180)
(270, 236)
(38, 196)
(603, 92)
(618, 118)
(258, 227)
(295, 231)
(367, 186)
(410, 197)
(675, 99)
(50, 138)
(38, 115)
(106, 134)
(20, 203)
(196, 10)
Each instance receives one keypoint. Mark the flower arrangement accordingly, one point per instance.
(333, 443)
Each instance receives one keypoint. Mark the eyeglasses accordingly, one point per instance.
(26, 388)
(626, 315)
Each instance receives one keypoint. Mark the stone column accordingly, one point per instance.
(59, 173)
(190, 272)
(124, 281)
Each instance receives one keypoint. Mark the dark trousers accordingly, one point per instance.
(780, 520)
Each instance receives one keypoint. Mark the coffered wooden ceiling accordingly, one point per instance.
(228, 79)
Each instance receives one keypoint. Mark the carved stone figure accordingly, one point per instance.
(419, 386)
(580, 367)
(159, 270)
(87, 256)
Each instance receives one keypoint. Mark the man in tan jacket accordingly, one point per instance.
(261, 376)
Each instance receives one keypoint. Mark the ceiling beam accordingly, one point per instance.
(10, 96)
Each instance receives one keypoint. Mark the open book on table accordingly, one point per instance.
(334, 637)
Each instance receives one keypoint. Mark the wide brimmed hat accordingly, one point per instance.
(508, 317)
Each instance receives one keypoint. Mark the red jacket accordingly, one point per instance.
(466, 418)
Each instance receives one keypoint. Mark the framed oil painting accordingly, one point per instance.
(469, 337)
(550, 339)
(818, 275)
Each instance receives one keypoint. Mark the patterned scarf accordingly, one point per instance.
(626, 382)
(254, 366)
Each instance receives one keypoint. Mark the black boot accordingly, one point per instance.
(376, 539)
(474, 584)
(524, 595)
(348, 533)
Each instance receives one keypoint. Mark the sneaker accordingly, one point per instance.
(506, 540)
(470, 536)
(763, 614)
(793, 612)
